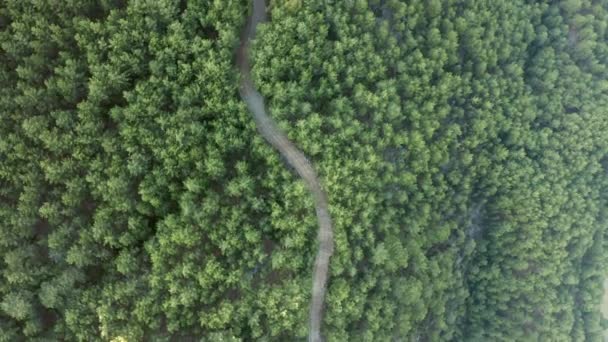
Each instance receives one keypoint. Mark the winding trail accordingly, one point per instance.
(297, 160)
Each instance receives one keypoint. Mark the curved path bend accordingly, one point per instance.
(297, 160)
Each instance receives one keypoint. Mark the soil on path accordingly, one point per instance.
(297, 160)
(604, 307)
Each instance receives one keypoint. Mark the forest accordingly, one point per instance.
(462, 145)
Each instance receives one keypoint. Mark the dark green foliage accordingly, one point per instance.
(462, 145)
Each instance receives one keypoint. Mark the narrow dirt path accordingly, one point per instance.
(297, 160)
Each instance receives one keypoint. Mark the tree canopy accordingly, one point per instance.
(462, 145)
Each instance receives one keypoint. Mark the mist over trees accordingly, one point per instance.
(462, 145)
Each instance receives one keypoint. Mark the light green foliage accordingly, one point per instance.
(462, 145)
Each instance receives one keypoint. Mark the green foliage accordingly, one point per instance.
(462, 146)
(469, 136)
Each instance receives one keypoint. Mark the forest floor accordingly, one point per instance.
(269, 130)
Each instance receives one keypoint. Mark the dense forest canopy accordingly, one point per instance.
(463, 147)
